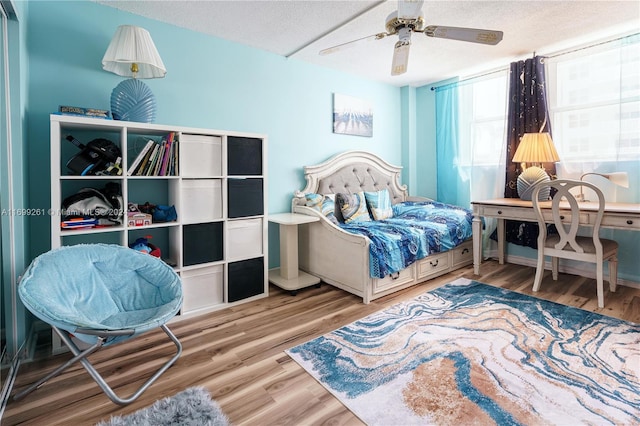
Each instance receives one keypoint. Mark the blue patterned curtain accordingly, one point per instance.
(527, 113)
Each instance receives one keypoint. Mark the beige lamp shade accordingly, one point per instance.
(132, 53)
(536, 148)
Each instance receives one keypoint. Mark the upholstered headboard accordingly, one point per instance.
(351, 172)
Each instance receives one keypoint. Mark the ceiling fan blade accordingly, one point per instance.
(464, 34)
(400, 58)
(409, 9)
(351, 43)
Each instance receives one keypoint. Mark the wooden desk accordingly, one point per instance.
(616, 215)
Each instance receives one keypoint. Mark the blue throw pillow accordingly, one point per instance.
(379, 203)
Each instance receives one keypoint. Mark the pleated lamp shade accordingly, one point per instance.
(133, 45)
(132, 53)
(534, 148)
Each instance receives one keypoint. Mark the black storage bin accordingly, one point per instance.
(245, 197)
(244, 156)
(202, 243)
(246, 279)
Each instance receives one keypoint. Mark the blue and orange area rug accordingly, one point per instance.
(469, 353)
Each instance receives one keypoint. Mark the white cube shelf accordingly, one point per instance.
(204, 240)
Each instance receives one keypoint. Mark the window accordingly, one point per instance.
(483, 114)
(594, 102)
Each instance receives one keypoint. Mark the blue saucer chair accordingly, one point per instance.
(101, 294)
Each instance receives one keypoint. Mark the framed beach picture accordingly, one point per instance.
(352, 116)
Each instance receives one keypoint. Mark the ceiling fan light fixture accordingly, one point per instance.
(400, 57)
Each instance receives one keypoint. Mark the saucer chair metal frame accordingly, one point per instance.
(159, 298)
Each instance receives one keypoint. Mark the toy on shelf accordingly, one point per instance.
(142, 244)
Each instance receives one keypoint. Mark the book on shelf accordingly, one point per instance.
(156, 158)
(151, 162)
(145, 162)
(167, 155)
(140, 157)
(176, 160)
(84, 112)
(172, 158)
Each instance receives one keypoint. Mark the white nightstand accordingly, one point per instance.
(288, 277)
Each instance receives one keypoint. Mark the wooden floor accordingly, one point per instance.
(238, 354)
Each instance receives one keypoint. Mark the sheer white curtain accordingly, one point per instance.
(594, 101)
(470, 142)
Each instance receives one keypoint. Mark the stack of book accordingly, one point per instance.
(157, 158)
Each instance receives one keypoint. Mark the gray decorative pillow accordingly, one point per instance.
(353, 207)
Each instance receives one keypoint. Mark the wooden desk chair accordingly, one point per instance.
(567, 244)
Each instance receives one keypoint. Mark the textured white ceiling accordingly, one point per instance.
(299, 29)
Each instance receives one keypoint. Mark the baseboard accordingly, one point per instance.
(569, 269)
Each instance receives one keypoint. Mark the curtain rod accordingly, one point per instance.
(547, 56)
(592, 45)
(454, 83)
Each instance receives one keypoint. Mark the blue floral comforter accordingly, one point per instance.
(416, 230)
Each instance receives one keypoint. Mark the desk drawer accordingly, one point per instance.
(565, 216)
(620, 222)
(508, 212)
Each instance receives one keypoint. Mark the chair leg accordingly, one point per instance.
(613, 273)
(554, 267)
(82, 357)
(78, 356)
(539, 271)
(599, 282)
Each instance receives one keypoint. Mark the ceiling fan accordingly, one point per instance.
(409, 19)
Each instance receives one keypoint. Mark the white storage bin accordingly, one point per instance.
(244, 239)
(202, 288)
(201, 200)
(200, 155)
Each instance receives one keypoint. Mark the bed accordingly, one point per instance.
(407, 240)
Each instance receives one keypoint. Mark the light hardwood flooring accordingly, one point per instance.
(237, 354)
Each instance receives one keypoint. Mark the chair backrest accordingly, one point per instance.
(100, 286)
(565, 210)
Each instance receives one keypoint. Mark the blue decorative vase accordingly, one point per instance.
(132, 100)
(528, 180)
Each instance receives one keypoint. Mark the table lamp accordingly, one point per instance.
(534, 148)
(132, 53)
(618, 178)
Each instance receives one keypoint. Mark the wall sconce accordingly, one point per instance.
(536, 148)
(617, 178)
(132, 53)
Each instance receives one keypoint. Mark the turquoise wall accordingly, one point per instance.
(210, 83)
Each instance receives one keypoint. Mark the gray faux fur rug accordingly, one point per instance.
(191, 407)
